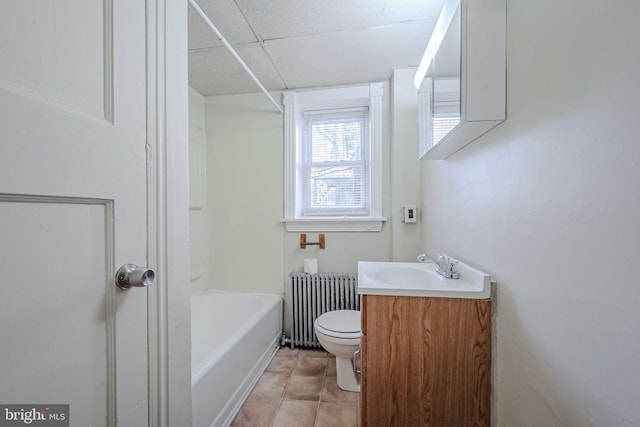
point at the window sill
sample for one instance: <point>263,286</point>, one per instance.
<point>334,224</point>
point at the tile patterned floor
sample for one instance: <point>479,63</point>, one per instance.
<point>299,389</point>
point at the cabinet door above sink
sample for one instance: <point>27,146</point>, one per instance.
<point>463,94</point>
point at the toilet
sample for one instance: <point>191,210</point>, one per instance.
<point>339,333</point>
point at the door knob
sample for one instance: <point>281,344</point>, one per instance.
<point>131,275</point>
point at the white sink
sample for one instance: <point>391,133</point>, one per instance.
<point>421,279</point>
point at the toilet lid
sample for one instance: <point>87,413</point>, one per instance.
<point>341,321</point>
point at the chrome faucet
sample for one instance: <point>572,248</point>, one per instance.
<point>445,266</point>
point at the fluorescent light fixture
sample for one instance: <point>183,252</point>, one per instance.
<point>442,25</point>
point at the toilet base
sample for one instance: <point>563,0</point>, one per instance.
<point>346,375</point>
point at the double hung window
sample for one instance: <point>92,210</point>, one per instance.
<point>335,163</point>
<point>332,159</point>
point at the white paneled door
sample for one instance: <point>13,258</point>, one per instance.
<point>73,208</point>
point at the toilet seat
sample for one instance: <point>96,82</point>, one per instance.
<point>340,324</point>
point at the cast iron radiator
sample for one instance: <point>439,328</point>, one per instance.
<point>315,294</point>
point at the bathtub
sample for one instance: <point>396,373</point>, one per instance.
<point>233,337</point>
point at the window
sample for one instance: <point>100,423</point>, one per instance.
<point>445,109</point>
<point>335,175</point>
<point>332,159</point>
<point>446,116</point>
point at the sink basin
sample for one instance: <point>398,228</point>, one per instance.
<point>421,279</point>
<point>403,275</point>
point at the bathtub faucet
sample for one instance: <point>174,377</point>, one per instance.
<point>445,266</point>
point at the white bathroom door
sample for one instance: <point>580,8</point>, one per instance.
<point>73,179</point>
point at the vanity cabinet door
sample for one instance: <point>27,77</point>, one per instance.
<point>426,361</point>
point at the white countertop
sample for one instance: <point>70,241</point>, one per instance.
<point>421,279</point>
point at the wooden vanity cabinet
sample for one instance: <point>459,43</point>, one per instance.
<point>425,362</point>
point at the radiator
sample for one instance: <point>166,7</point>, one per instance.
<point>315,294</point>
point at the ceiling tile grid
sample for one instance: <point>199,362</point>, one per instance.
<point>276,19</point>
<point>215,71</point>
<point>291,44</point>
<point>347,57</point>
<point>227,18</point>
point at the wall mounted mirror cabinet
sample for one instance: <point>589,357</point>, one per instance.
<point>461,79</point>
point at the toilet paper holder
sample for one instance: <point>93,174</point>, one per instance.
<point>304,243</point>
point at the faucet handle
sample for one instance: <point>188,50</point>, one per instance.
<point>448,266</point>
<point>445,266</point>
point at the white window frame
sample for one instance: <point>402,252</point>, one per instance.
<point>295,104</point>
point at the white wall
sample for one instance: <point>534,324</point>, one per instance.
<point>406,243</point>
<point>245,164</point>
<point>198,208</point>
<point>549,203</point>
<point>251,249</point>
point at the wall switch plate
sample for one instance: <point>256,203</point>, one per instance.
<point>409,212</point>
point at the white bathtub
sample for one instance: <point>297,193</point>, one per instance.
<point>234,336</point>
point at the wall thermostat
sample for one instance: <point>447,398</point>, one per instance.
<point>409,212</point>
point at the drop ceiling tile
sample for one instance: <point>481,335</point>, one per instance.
<point>276,19</point>
<point>349,56</point>
<point>342,42</point>
<point>216,72</point>
<point>226,17</point>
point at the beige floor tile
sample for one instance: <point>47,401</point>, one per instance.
<point>298,413</point>
<point>302,387</point>
<point>336,415</point>
<point>310,366</point>
<point>299,389</point>
<point>313,353</point>
<point>286,351</point>
<point>281,364</point>
<point>271,385</point>
<point>256,413</point>
<point>331,367</point>
<point>332,393</point>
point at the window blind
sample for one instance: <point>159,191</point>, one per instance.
<point>335,162</point>
<point>446,116</point>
